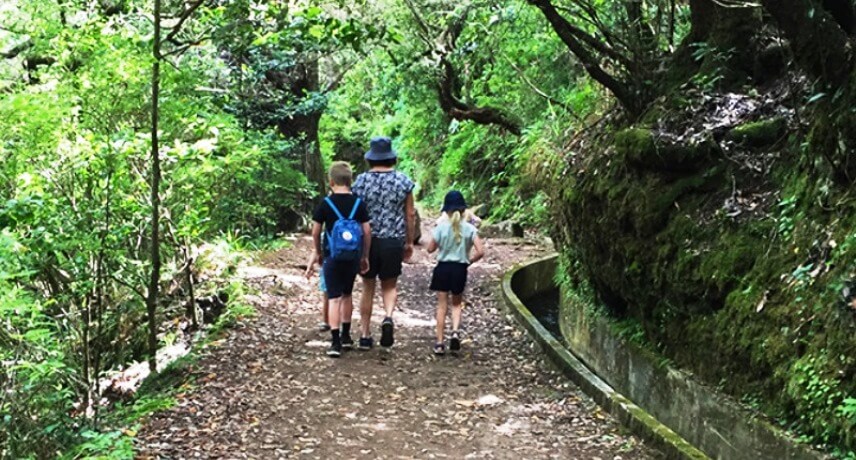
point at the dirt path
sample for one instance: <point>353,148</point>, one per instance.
<point>268,391</point>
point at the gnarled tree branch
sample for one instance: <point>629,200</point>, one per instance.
<point>448,85</point>
<point>459,110</point>
<point>566,31</point>
<point>185,15</point>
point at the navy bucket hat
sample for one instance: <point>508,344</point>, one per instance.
<point>454,201</point>
<point>381,149</point>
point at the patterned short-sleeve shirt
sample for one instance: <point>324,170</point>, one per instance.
<point>385,193</point>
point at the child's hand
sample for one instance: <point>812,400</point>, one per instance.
<point>317,259</point>
<point>364,265</point>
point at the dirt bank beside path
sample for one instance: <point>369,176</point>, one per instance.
<point>267,391</point>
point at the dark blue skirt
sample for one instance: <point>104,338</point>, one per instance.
<point>449,277</point>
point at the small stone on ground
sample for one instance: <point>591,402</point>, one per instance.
<point>268,391</point>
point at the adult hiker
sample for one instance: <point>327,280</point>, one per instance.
<point>388,194</point>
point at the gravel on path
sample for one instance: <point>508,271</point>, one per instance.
<point>267,390</point>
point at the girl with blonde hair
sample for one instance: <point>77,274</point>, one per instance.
<point>459,246</point>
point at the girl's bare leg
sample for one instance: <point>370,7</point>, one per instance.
<point>442,306</point>
<point>457,309</point>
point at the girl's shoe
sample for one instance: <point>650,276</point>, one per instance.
<point>323,327</point>
<point>347,342</point>
<point>439,349</point>
<point>455,342</point>
<point>366,343</point>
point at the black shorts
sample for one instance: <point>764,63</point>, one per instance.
<point>385,258</point>
<point>339,277</point>
<point>449,277</point>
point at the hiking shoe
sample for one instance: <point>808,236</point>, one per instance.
<point>455,342</point>
<point>335,350</point>
<point>347,342</point>
<point>386,333</point>
<point>439,349</point>
<point>366,343</point>
<point>323,327</point>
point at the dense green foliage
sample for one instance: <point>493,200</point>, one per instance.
<point>508,54</point>
<point>74,204</point>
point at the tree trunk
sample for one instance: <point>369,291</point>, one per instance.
<point>154,281</point>
<point>304,127</point>
<point>729,35</point>
<point>191,309</point>
<point>818,42</point>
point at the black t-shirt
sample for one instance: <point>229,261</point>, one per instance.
<point>344,203</point>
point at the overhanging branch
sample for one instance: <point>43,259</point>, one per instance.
<point>565,31</point>
<point>540,92</point>
<point>460,110</point>
<point>185,15</point>
<point>448,85</point>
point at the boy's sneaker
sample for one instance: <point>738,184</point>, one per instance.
<point>347,342</point>
<point>455,342</point>
<point>439,349</point>
<point>323,327</point>
<point>386,333</point>
<point>335,350</point>
<point>366,343</point>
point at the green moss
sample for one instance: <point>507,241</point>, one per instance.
<point>718,294</point>
<point>635,143</point>
<point>759,133</point>
<point>645,150</point>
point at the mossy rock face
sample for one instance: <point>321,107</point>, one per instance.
<point>649,150</point>
<point>716,294</point>
<point>759,133</point>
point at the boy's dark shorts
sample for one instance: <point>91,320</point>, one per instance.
<point>339,277</point>
<point>385,258</point>
<point>449,277</point>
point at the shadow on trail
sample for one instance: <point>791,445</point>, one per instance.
<point>268,390</point>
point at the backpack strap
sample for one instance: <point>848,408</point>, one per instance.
<point>354,209</point>
<point>335,209</point>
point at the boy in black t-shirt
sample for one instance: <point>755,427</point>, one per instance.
<point>339,276</point>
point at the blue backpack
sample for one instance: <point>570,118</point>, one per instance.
<point>345,239</point>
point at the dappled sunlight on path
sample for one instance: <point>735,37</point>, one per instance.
<point>268,390</point>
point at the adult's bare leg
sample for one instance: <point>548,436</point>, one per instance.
<point>389,289</point>
<point>366,306</point>
<point>390,296</point>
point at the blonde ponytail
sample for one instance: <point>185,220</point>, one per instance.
<point>456,218</point>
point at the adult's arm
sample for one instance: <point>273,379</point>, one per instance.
<point>478,250</point>
<point>367,247</point>
<point>410,217</point>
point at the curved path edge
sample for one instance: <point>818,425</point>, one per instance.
<point>639,421</point>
